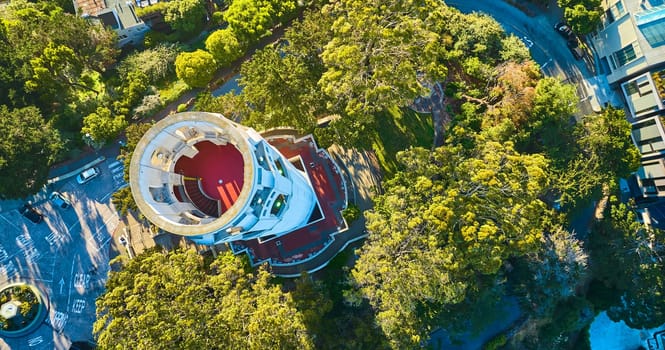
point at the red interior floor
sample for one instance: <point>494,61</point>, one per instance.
<point>214,163</point>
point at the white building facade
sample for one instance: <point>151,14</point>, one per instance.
<point>202,176</point>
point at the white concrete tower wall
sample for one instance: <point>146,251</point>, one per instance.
<point>270,198</point>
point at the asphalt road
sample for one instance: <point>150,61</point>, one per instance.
<point>547,47</point>
<point>66,257</point>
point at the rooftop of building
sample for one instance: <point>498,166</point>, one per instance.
<point>326,222</point>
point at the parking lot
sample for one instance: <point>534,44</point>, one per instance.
<point>66,256</point>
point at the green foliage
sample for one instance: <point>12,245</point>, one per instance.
<point>28,147</point>
<point>281,90</point>
<point>185,16</point>
<point>607,137</point>
<point>376,53</point>
<point>443,222</point>
<point>196,68</point>
<point>181,107</point>
<point>174,301</point>
<point>45,52</point>
<point>252,19</point>
<point>496,342</point>
<point>224,46</point>
<point>582,15</point>
<point>156,63</point>
<point>626,260</point>
<point>102,126</point>
<point>351,213</point>
<point>582,20</point>
<point>229,105</point>
<point>395,130</point>
<point>123,200</point>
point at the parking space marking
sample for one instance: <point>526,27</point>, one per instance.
<point>11,223</point>
<point>8,269</point>
<point>3,253</point>
<point>23,241</point>
<point>54,237</point>
<point>35,341</point>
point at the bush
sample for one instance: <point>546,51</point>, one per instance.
<point>496,342</point>
<point>182,107</point>
<point>148,106</point>
<point>351,213</point>
<point>157,63</point>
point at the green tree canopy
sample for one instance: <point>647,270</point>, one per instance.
<point>253,19</point>
<point>444,222</point>
<point>186,16</point>
<point>40,36</point>
<point>376,54</point>
<point>196,68</point>
<point>281,90</point>
<point>28,147</point>
<point>172,300</point>
<point>224,46</point>
<point>102,126</point>
<point>627,261</point>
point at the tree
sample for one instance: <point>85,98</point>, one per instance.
<point>582,19</point>
<point>166,300</point>
<point>281,91</point>
<point>58,66</point>
<point>377,52</point>
<point>186,16</point>
<point>444,224</point>
<point>549,127</point>
<point>102,127</point>
<point>196,68</point>
<point>252,19</point>
<point>224,46</point>
<point>627,262</point>
<point>156,63</point>
<point>551,274</point>
<point>607,137</point>
<point>28,147</point>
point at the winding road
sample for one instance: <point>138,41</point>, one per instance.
<point>547,47</point>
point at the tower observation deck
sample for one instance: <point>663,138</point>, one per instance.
<point>202,176</point>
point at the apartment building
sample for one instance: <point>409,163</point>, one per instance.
<point>630,46</point>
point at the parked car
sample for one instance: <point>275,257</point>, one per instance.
<point>87,175</point>
<point>575,49</point>
<point>31,213</point>
<point>58,199</point>
<point>564,30</point>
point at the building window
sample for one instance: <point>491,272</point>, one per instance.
<point>625,55</point>
<point>652,25</point>
<point>605,65</point>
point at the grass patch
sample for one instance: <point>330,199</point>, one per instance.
<point>172,90</point>
<point>396,130</point>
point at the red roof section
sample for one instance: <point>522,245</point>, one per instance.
<point>220,168</point>
<point>311,239</point>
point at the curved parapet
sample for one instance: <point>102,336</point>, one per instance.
<point>203,176</point>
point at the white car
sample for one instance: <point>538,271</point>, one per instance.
<point>87,175</point>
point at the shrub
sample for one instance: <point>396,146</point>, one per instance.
<point>496,342</point>
<point>351,213</point>
<point>182,107</point>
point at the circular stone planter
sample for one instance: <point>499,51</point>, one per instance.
<point>14,322</point>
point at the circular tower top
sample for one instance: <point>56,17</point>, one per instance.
<point>193,173</point>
